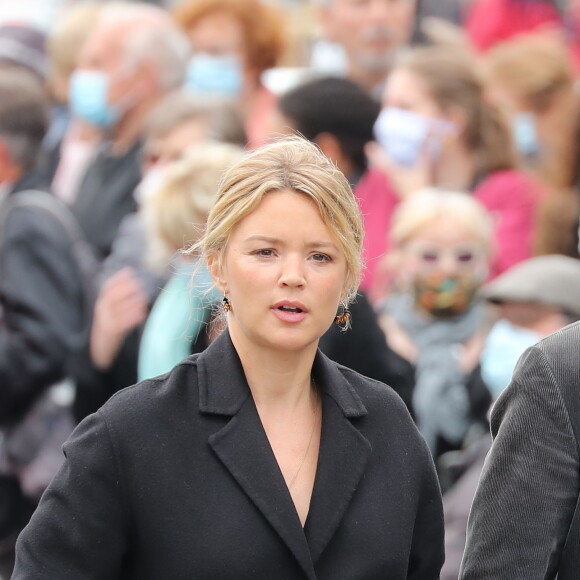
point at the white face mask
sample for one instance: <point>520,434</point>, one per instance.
<point>404,135</point>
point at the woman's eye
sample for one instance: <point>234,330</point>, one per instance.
<point>266,252</point>
<point>321,258</point>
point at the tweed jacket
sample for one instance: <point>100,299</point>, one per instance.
<point>525,519</point>
<point>174,478</point>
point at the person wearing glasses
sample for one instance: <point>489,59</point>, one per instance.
<point>441,250</point>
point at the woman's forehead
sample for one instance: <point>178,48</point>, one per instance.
<point>285,207</point>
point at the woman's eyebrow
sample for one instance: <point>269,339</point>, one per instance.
<point>261,238</point>
<point>323,245</point>
<point>317,244</point>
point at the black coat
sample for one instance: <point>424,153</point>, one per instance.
<point>106,195</point>
<point>175,478</point>
<point>41,302</point>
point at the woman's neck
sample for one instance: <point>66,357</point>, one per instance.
<point>456,169</point>
<point>277,379</point>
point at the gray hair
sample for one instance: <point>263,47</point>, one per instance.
<point>224,123</point>
<point>24,115</point>
<point>151,37</point>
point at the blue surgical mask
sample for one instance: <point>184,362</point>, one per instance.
<point>525,134</point>
<point>503,347</point>
<point>88,98</point>
<point>221,75</point>
<point>403,134</point>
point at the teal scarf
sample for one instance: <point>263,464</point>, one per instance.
<point>176,319</point>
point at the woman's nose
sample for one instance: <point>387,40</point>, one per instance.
<point>292,272</point>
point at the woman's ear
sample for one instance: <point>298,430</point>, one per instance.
<point>215,269</point>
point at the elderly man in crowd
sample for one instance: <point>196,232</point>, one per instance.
<point>370,32</point>
<point>132,58</point>
<point>42,299</point>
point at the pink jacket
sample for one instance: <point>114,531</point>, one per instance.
<point>377,201</point>
<point>511,197</point>
<point>490,22</point>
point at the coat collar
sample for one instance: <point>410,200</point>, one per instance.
<point>223,387</point>
<point>242,446</point>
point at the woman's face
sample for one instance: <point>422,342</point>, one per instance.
<point>412,127</point>
<point>443,265</point>
<point>405,90</point>
<point>284,275</point>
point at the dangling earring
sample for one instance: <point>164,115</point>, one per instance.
<point>343,318</point>
<point>226,304</point>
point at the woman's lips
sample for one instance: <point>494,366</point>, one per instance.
<point>289,312</point>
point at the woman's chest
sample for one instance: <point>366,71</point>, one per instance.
<point>198,516</point>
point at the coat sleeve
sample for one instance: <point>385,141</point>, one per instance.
<point>529,486</point>
<point>41,317</point>
<point>80,528</point>
<point>427,552</point>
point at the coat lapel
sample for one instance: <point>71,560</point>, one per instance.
<point>344,453</point>
<point>243,448</point>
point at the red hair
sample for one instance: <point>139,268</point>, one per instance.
<point>263,26</point>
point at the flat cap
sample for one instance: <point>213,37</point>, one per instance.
<point>553,280</point>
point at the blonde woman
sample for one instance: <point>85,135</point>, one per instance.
<point>259,458</point>
<point>433,323</point>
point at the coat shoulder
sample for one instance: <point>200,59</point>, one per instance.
<point>172,392</point>
<point>555,358</point>
<point>562,343</point>
<point>372,391</point>
<point>384,407</point>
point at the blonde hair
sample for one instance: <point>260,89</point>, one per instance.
<point>175,214</point>
<point>428,206</point>
<point>292,164</point>
<point>453,81</point>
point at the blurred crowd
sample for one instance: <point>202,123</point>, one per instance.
<point>457,123</point>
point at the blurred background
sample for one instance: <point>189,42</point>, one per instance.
<point>457,123</point>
